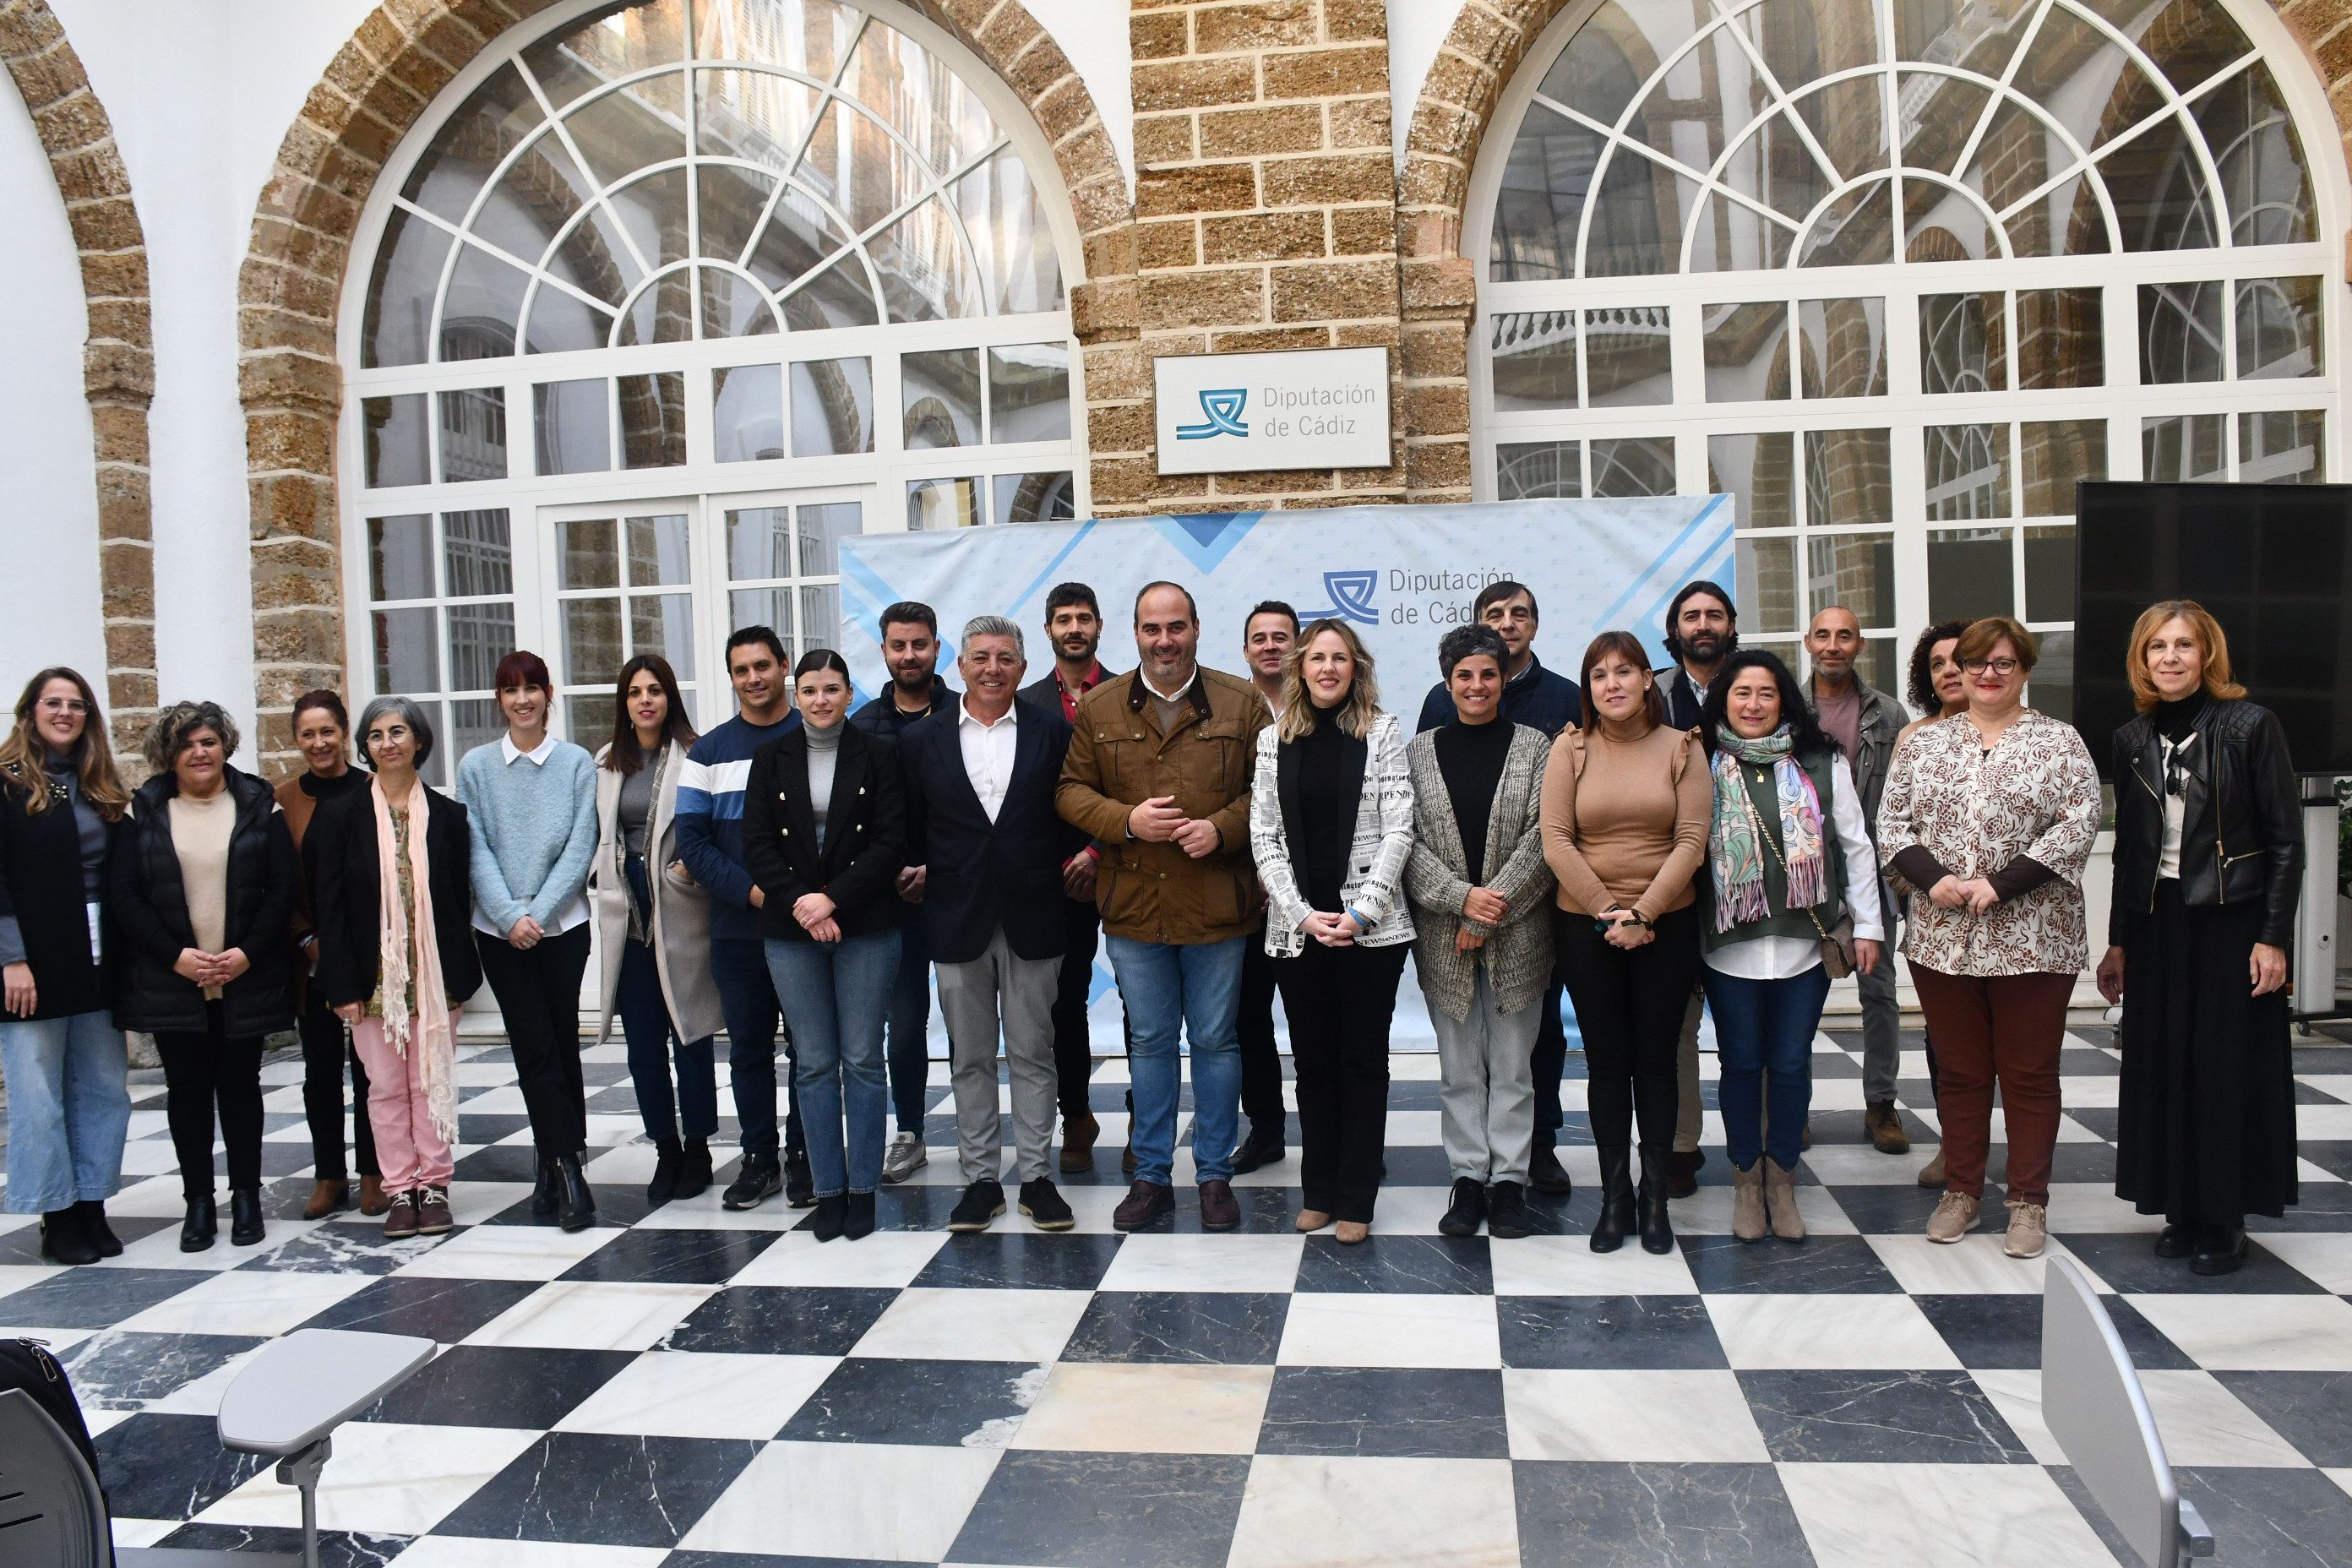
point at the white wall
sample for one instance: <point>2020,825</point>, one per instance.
<point>1093,34</point>
<point>1416,29</point>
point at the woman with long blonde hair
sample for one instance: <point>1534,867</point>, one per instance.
<point>1331,826</point>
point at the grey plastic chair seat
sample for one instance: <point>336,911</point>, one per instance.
<point>302,1387</point>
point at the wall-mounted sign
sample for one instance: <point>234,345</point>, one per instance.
<point>1295,408</point>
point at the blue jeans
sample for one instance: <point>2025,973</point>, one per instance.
<point>747,1000</point>
<point>69,1108</point>
<point>1764,1051</point>
<point>835,994</point>
<point>910,1022</point>
<point>1199,987</point>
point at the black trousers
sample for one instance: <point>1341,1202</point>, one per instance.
<point>325,1049</point>
<point>202,1070</point>
<point>1339,1001</point>
<point>538,990</point>
<point>1074,1046</point>
<point>1550,1061</point>
<point>1253,1028</point>
<point>1629,1008</point>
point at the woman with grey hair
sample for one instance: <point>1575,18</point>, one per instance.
<point>203,883</point>
<point>390,894</point>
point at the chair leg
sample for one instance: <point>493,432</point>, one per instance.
<point>301,1472</point>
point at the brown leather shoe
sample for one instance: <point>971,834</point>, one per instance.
<point>1145,1203</point>
<point>1931,1175</point>
<point>326,1197</point>
<point>1078,1141</point>
<point>1885,1126</point>
<point>1218,1209</point>
<point>1127,1160</point>
<point>371,1199</point>
<point>400,1217</point>
<point>432,1210</point>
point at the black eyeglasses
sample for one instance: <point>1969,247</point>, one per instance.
<point>1997,666</point>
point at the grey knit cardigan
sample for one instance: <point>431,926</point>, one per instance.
<point>1518,953</point>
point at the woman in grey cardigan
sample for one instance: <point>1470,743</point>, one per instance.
<point>1483,942</point>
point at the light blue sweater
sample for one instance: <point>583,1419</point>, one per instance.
<point>534,830</point>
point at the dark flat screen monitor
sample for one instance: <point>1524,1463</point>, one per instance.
<point>2273,564</point>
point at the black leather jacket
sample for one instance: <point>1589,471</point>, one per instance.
<point>2242,835</point>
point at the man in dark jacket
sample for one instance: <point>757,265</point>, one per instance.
<point>910,648</point>
<point>1702,630</point>
<point>980,778</point>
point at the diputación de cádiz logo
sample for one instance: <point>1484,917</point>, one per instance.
<point>1222,409</point>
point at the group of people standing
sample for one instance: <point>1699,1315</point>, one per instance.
<point>1729,835</point>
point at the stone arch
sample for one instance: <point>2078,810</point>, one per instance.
<point>375,91</point>
<point>118,356</point>
<point>1489,42</point>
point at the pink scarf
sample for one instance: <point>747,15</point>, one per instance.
<point>436,1063</point>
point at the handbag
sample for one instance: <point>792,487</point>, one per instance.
<point>1837,941</point>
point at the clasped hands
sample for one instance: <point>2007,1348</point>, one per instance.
<point>1486,906</point>
<point>1157,821</point>
<point>211,968</point>
<point>1974,894</point>
<point>814,913</point>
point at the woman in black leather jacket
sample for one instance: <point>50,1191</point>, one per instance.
<point>2208,864</point>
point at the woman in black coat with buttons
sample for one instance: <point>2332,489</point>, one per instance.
<point>2208,867</point>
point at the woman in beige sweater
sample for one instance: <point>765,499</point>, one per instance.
<point>1625,806</point>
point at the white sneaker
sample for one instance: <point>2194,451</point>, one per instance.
<point>904,1157</point>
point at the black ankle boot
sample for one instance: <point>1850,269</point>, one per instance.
<point>694,1169</point>
<point>244,1226</point>
<point>831,1213</point>
<point>1616,1199</point>
<point>65,1238</point>
<point>196,1232</point>
<point>2220,1249</point>
<point>857,1217</point>
<point>670,1161</point>
<point>96,1231</point>
<point>1650,1203</point>
<point>547,1193</point>
<point>579,1210</point>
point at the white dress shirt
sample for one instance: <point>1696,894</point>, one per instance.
<point>988,751</point>
<point>1786,957</point>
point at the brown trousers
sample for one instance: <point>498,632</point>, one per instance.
<point>2004,1026</point>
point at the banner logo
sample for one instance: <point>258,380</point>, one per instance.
<point>1351,598</point>
<point>1223,410</point>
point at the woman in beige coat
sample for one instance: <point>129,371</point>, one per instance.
<point>653,928</point>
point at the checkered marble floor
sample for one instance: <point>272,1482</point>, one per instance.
<point>696,1389</point>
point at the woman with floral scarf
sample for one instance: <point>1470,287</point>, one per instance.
<point>1794,895</point>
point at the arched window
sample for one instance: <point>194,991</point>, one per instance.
<point>1895,274</point>
<point>673,295</point>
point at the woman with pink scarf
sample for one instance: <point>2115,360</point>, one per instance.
<point>390,892</point>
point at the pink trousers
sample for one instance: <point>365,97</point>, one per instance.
<point>412,1153</point>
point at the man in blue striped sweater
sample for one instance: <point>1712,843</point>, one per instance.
<point>711,842</point>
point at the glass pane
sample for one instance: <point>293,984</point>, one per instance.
<point>562,323</point>
<point>473,721</point>
<point>2050,688</point>
<point>1877,664</point>
<point>1731,237</point>
<point>1938,113</point>
<point>400,557</point>
<point>2180,333</point>
<point>1747,351</point>
<point>474,435</point>
<point>1856,230</point>
<point>758,544</point>
<point>592,641</point>
<point>482,308</point>
<point>1775,166</point>
<point>659,552</point>
<point>588,721</point>
<point>2160,195</point>
<point>1035,497</point>
<point>392,429</point>
<point>1545,182</point>
<point>1845,117</point>
<point>939,395</point>
<point>926,274</point>
<point>633,129</point>
<point>1963,343</point>
<point>1538,470</point>
<point>756,116</point>
<point>616,41</point>
<point>918,98</point>
<point>1629,356</point>
<point>1940,224</point>
<point>1857,570</point>
<point>1969,574</point>
<point>2281,448</point>
<point>2054,455</point>
<point>769,607</point>
<point>661,313</point>
<point>1768,582</point>
<point>1004,213</point>
<point>2181,448</point>
<point>746,413</point>
<point>2082,78</point>
<point>664,624</point>
<point>1634,466</point>
<point>1849,477</point>
<point>732,305</point>
<point>574,426</point>
<point>479,637</point>
<point>1845,347</point>
<point>407,651</point>
<point>1535,360</point>
<point>588,552</point>
<point>2062,339</point>
<point>840,296</point>
<point>821,530</point>
<point>833,407</point>
<point>400,291</point>
<point>731,202</point>
<point>476,556</point>
<point>653,419</point>
<point>934,505</point>
<point>2254,145</point>
<point>1967,471</point>
<point>1029,393</point>
<point>807,38</point>
<point>1637,224</point>
<point>2049,574</point>
<point>1760,473</point>
<point>820,617</point>
<point>2278,327</point>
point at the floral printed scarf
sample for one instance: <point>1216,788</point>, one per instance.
<point>1734,853</point>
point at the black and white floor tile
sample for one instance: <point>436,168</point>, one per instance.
<point>691,1388</point>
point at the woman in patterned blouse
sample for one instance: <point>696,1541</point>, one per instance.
<point>1991,812</point>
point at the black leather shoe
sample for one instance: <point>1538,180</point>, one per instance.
<point>2175,1240</point>
<point>244,1226</point>
<point>1545,1174</point>
<point>2220,1249</point>
<point>830,1213</point>
<point>983,1201</point>
<point>579,1211</point>
<point>1650,1203</point>
<point>694,1169</point>
<point>96,1231</point>
<point>857,1218</point>
<point>670,1161</point>
<point>547,1193</point>
<point>799,1186</point>
<point>1682,1173</point>
<point>1616,1198</point>
<point>1467,1211</point>
<point>1043,1203</point>
<point>1263,1146</point>
<point>65,1238</point>
<point>761,1177</point>
<point>1507,1212</point>
<point>196,1232</point>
